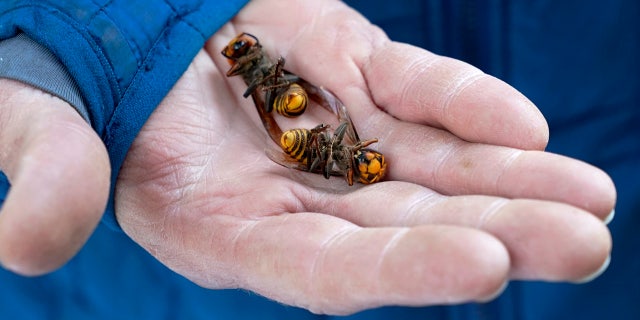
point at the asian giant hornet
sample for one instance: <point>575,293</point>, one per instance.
<point>317,150</point>
<point>248,59</point>
<point>340,154</point>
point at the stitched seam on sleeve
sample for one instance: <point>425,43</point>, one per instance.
<point>82,30</point>
<point>180,16</point>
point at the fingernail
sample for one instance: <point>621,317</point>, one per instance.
<point>496,294</point>
<point>608,219</point>
<point>598,272</point>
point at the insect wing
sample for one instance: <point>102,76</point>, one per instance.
<point>343,114</point>
<point>330,102</point>
<point>270,125</point>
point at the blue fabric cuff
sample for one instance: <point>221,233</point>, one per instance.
<point>27,61</point>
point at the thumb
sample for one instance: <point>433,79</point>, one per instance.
<point>59,173</point>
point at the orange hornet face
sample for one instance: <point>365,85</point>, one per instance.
<point>242,53</point>
<point>370,165</point>
<point>239,47</point>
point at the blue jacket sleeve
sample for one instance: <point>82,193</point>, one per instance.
<point>124,55</point>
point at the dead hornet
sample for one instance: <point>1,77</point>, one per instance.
<point>340,154</point>
<point>249,60</point>
<point>315,150</point>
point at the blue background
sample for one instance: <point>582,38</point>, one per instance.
<point>577,60</point>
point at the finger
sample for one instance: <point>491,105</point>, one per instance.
<point>328,265</point>
<point>59,174</point>
<point>417,86</point>
<point>440,161</point>
<point>545,240</point>
<point>367,70</point>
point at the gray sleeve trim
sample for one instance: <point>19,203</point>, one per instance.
<point>27,61</point>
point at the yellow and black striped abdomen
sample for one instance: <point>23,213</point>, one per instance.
<point>291,102</point>
<point>294,142</point>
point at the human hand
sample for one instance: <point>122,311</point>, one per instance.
<point>471,200</point>
<point>59,173</point>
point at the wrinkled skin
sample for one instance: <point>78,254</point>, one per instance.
<point>472,201</point>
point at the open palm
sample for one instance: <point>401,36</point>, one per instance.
<point>199,193</point>
<point>470,199</point>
